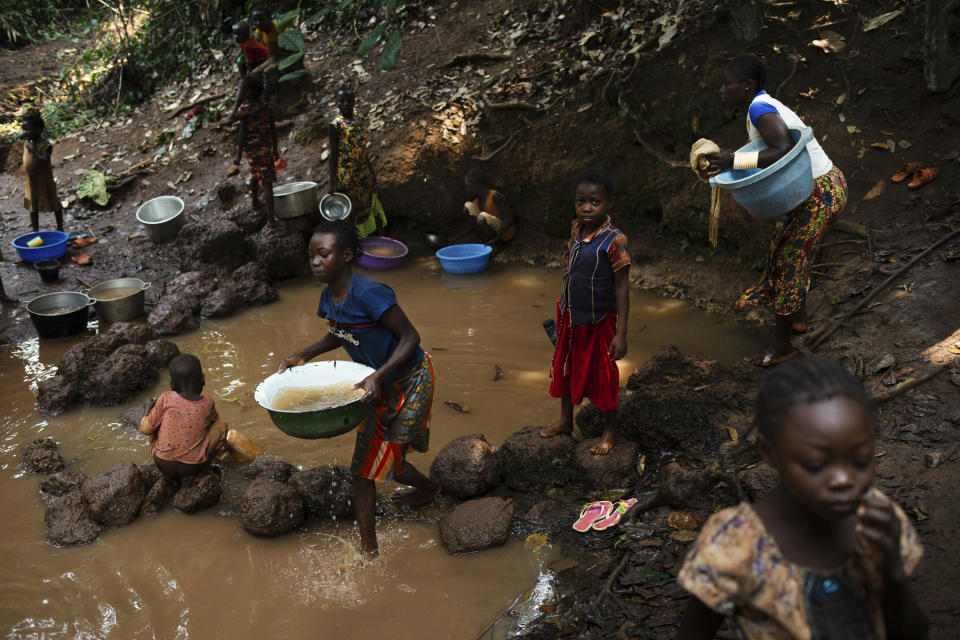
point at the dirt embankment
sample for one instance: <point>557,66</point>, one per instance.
<point>627,89</point>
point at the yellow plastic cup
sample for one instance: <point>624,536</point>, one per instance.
<point>35,242</point>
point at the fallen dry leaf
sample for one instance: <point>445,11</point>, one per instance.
<point>681,520</point>
<point>82,260</point>
<point>683,535</point>
<point>534,541</point>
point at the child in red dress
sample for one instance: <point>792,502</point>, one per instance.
<point>258,140</point>
<point>592,312</point>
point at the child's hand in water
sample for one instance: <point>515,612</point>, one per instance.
<point>370,386</point>
<point>877,523</point>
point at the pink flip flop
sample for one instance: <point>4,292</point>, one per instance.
<point>614,516</point>
<point>591,513</point>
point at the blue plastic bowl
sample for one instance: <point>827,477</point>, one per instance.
<point>464,258</point>
<point>54,245</point>
<point>774,190</point>
<point>394,251</point>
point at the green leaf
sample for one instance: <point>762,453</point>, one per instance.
<point>291,76</point>
<point>289,60</point>
<point>287,19</point>
<point>390,6</point>
<point>94,186</point>
<point>291,40</point>
<point>372,38</point>
<point>391,51</point>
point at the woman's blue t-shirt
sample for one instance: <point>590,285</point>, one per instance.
<point>358,317</point>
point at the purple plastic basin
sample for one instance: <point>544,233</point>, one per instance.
<point>393,253</point>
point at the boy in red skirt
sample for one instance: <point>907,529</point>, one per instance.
<point>592,312</point>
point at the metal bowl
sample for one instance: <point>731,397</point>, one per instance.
<point>325,423</point>
<point>162,217</point>
<point>335,206</point>
<point>294,199</point>
<point>59,314</point>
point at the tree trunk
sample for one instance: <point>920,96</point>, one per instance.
<point>942,42</point>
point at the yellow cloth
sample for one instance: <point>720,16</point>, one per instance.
<point>369,225</point>
<point>699,163</point>
<point>698,157</point>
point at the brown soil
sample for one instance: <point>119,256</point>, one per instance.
<point>873,91</point>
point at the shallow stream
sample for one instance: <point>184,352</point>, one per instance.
<point>203,576</point>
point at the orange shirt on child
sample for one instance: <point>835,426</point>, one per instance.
<point>182,427</point>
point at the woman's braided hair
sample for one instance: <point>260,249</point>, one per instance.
<point>346,234</point>
<point>802,381</point>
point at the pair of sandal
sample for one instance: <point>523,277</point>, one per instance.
<point>602,515</point>
<point>918,174</point>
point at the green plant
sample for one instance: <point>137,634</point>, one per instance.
<point>388,16</point>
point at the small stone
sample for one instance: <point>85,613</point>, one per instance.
<point>476,525</point>
<point>41,456</point>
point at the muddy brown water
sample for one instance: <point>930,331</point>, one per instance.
<point>203,576</point>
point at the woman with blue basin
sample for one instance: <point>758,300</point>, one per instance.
<point>786,280</point>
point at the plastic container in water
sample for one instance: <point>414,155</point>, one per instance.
<point>162,217</point>
<point>54,245</point>
<point>464,258</point>
<point>774,190</point>
<point>380,253</point>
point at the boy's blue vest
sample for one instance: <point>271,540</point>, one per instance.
<point>588,287</point>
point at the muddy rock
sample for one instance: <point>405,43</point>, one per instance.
<point>198,284</point>
<point>60,484</point>
<point>759,480</point>
<point>327,492</point>
<point>57,394</point>
<point>249,220</point>
<point>160,352</point>
<point>149,474</point>
<point>41,456</point>
<point>122,375</point>
<point>609,471</point>
<point>257,292</point>
<point>531,463</point>
<point>226,193</point>
<point>251,271</point>
<point>114,494</point>
<point>69,521</point>
<point>283,253</point>
<point>199,492</point>
<point>276,470</point>
<point>175,314</point>
<point>223,301</point>
<point>217,241</point>
<point>466,467</point>
<point>270,508</point>
<point>660,410</point>
<point>160,493</point>
<point>82,359</point>
<point>476,525</point>
<point>132,332</point>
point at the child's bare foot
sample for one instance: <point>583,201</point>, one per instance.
<point>273,223</point>
<point>770,357</point>
<point>414,497</point>
<point>368,552</point>
<point>559,427</point>
<point>607,441</point>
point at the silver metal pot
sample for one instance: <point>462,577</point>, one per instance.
<point>60,314</point>
<point>162,217</point>
<point>295,199</point>
<point>118,300</point>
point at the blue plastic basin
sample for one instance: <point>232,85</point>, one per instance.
<point>464,258</point>
<point>54,245</point>
<point>774,190</point>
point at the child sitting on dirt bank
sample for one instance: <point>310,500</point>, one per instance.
<point>40,190</point>
<point>183,425</point>
<point>823,555</point>
<point>491,217</point>
<point>258,140</point>
<point>592,311</point>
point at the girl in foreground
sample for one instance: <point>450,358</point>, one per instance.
<point>366,320</point>
<point>823,555</point>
